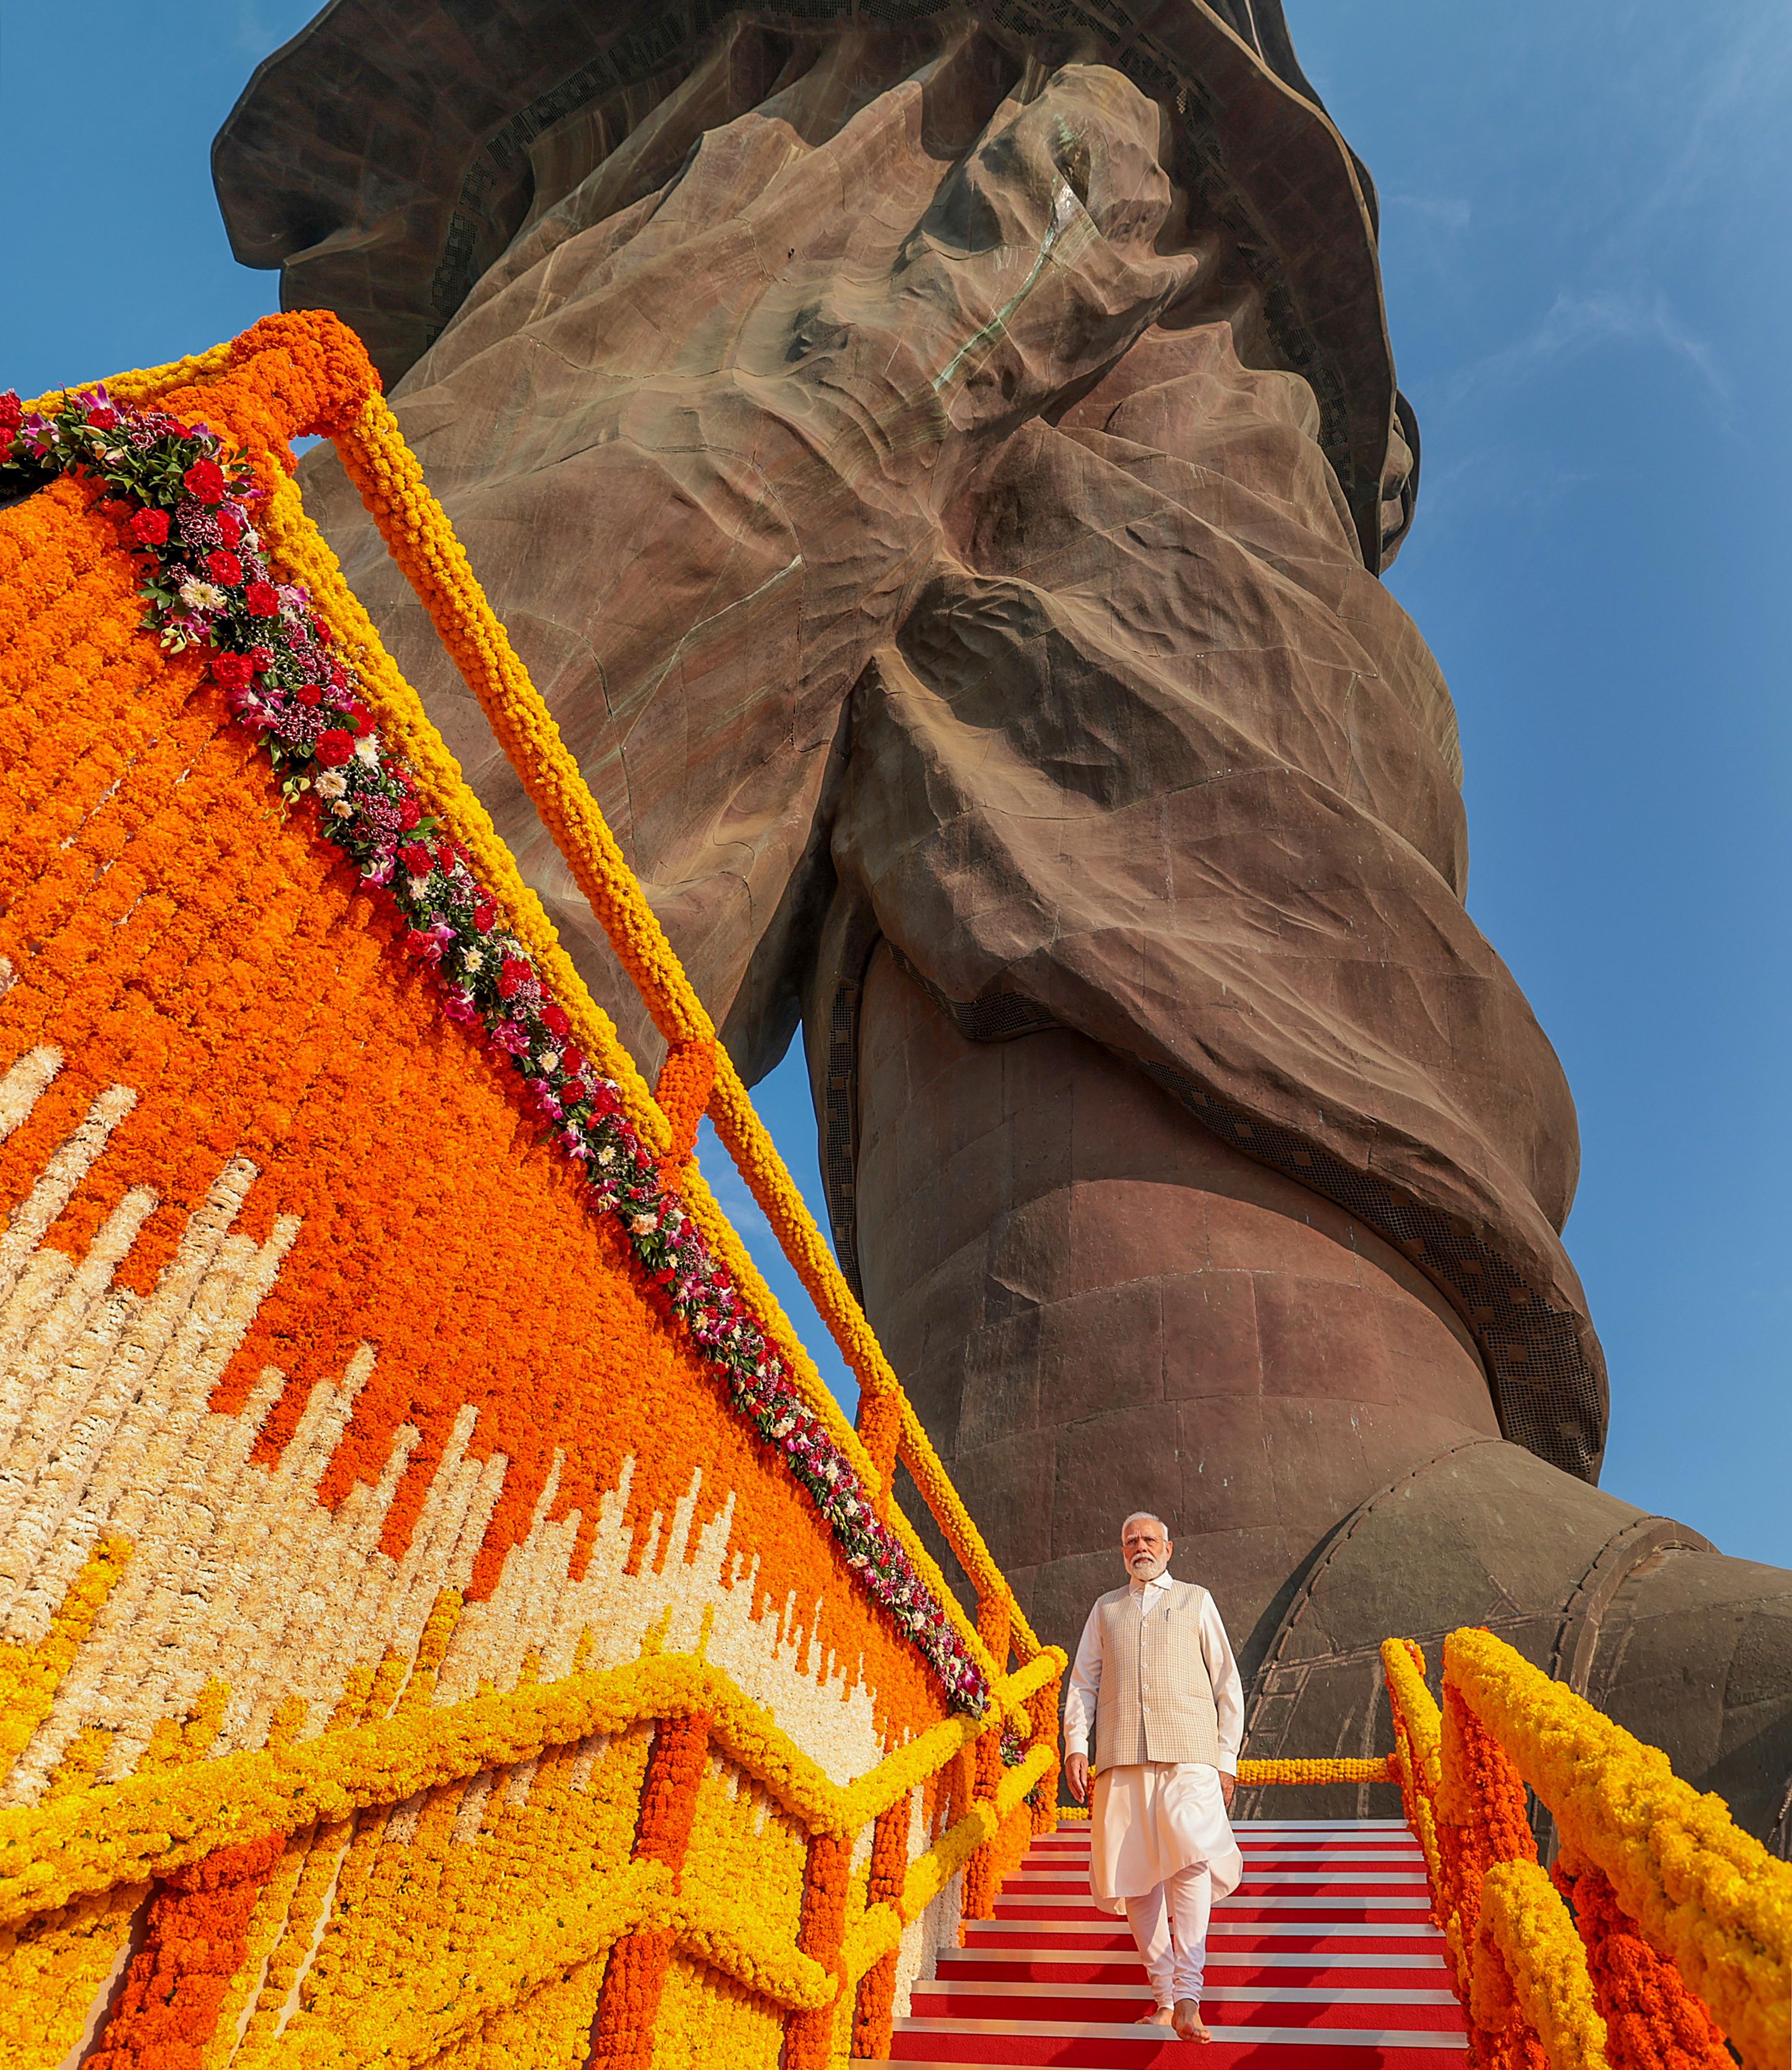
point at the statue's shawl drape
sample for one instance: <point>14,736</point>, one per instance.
<point>886,509</point>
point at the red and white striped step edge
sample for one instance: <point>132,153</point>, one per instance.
<point>1324,1958</point>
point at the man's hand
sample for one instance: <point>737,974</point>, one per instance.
<point>1228,1785</point>
<point>1076,1774</point>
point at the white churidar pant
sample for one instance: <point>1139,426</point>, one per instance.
<point>1170,1926</point>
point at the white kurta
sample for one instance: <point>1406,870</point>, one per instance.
<point>1150,1819</point>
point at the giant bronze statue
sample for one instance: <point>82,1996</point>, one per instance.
<point>939,466</point>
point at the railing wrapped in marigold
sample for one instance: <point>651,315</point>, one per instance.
<point>375,1360</point>
<point>1662,1927</point>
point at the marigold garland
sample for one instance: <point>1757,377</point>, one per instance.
<point>156,1823</point>
<point>1701,1891</point>
<point>623,2037</point>
<point>30,1675</point>
<point>417,533</point>
<point>1258,1774</point>
<point>1529,1968</point>
<point>195,1939</point>
<point>1652,2021</point>
<point>873,2023</point>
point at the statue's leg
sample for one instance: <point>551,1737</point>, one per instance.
<point>1099,1306</point>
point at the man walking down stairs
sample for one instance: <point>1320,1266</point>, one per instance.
<point>1324,1958</point>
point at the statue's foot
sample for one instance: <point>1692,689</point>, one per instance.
<point>1188,2022</point>
<point>1690,1651</point>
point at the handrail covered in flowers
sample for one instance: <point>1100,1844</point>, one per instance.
<point>231,571</point>
<point>1660,1918</point>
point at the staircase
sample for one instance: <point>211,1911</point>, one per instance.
<point>1324,1958</point>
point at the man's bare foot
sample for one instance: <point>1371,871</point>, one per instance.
<point>1185,2018</point>
<point>1158,2016</point>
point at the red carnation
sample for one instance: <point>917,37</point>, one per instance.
<point>262,597</point>
<point>150,527</point>
<point>204,479</point>
<point>103,417</point>
<point>553,1018</point>
<point>12,411</point>
<point>417,859</point>
<point>572,1060</point>
<point>309,693</point>
<point>261,659</point>
<point>230,527</point>
<point>410,812</point>
<point>485,916</point>
<point>321,633</point>
<point>232,670</point>
<point>335,747</point>
<point>224,569</point>
<point>513,976</point>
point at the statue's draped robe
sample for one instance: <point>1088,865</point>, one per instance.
<point>893,497</point>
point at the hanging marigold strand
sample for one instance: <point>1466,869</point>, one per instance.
<point>1652,2021</point>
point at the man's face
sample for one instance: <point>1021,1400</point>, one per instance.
<point>1145,1549</point>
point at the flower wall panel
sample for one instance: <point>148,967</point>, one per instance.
<point>295,1302</point>
<point>363,1364</point>
<point>323,1392</point>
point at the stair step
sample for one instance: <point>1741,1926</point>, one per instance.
<point>1244,2004</point>
<point>1138,2050</point>
<point>1095,1965</point>
<point>1026,2042</point>
<point>1109,1928</point>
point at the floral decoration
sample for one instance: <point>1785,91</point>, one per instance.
<point>190,503</point>
<point>195,1938</point>
<point>1685,1919</point>
<point>1255,1774</point>
<point>1701,1891</point>
<point>1652,2021</point>
<point>1530,1997</point>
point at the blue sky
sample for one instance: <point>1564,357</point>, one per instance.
<point>1587,211</point>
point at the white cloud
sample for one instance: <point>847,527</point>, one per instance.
<point>1447,212</point>
<point>1575,324</point>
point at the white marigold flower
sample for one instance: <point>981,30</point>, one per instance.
<point>202,596</point>
<point>332,784</point>
<point>607,1154</point>
<point>548,1059</point>
<point>366,748</point>
<point>419,886</point>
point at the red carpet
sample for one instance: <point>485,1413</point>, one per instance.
<point>1324,1958</point>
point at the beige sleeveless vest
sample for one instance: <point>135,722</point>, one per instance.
<point>1155,1701</point>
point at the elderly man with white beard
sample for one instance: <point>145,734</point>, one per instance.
<point>1154,1675</point>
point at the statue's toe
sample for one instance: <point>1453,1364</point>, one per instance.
<point>1687,1649</point>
